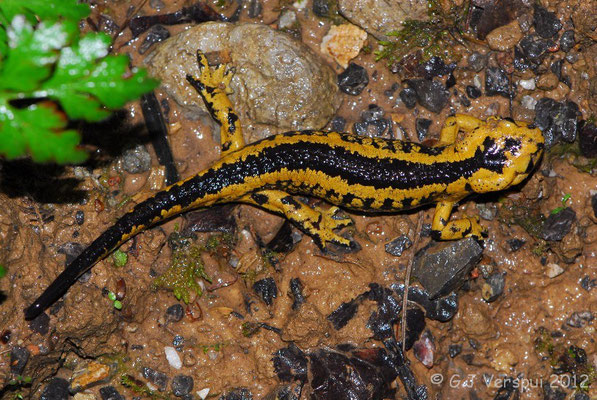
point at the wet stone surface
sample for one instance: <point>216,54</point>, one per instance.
<point>398,245</point>
<point>110,393</point>
<point>182,385</point>
<point>558,225</point>
<point>56,389</point>
<point>442,267</point>
<point>557,120</point>
<point>587,140</point>
<point>546,24</point>
<point>18,359</point>
<point>430,94</point>
<point>408,97</point>
<point>158,378</point>
<point>266,289</point>
<point>497,82</point>
<point>175,312</point>
<point>353,79</point>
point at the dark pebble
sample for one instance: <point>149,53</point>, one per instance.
<point>442,267</point>
<point>71,250</point>
<point>422,128</point>
<point>473,92</point>
<point>156,34</point>
<point>587,140</point>
<point>556,68</point>
<point>158,378</point>
<point>430,94</point>
<point>415,324</point>
<point>497,82</point>
<point>40,324</point>
<point>390,92</point>
<point>424,349</point>
<point>468,358</point>
<point>465,101</point>
<point>18,359</point>
<point>110,393</point>
<point>435,66</point>
<point>520,61</point>
<point>375,128</point>
<point>5,336</point>
<point>557,120</point>
<point>296,291</point>
<point>373,113</point>
<point>266,289</point>
<point>516,244</point>
<point>442,309</point>
<point>451,81</point>
<point>156,4</point>
<point>546,24</point>
<point>182,385</point>
<point>80,217</point>
<point>552,392</point>
<point>567,41</point>
<point>398,245</point>
<point>533,47</point>
<point>558,225</point>
<point>338,124</point>
<point>175,312</point>
<point>290,363</point>
<point>57,389</point>
<point>321,8</point>
<point>425,230</point>
<point>494,287</point>
<point>474,343</point>
<point>107,25</point>
<point>477,61</point>
<point>178,341</point>
<point>408,97</point>
<point>581,396</point>
<point>353,80</point>
<point>594,204</point>
<point>254,8</point>
<point>580,319</point>
<point>587,283</point>
<point>237,394</point>
<point>454,350</point>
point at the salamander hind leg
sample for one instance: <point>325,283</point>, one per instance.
<point>444,229</point>
<point>454,124</point>
<point>213,86</point>
<point>318,223</point>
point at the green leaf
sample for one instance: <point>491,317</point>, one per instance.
<point>37,131</point>
<point>32,52</point>
<point>44,9</point>
<point>2,271</point>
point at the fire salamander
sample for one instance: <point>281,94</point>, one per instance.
<point>349,171</point>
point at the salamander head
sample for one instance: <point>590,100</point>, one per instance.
<point>510,152</point>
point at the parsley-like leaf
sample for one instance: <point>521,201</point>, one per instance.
<point>50,60</point>
<point>44,9</point>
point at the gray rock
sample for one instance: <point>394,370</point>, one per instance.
<point>442,267</point>
<point>279,83</point>
<point>136,160</point>
<point>378,17</point>
<point>558,225</point>
<point>398,245</point>
<point>57,389</point>
<point>430,94</point>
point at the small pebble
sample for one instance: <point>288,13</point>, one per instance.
<point>80,217</point>
<point>175,312</point>
<point>553,270</point>
<point>473,92</point>
<point>353,79</point>
<point>587,141</point>
<point>528,102</point>
<point>110,393</point>
<point>424,349</point>
<point>567,41</point>
<point>454,350</point>
<point>41,324</point>
<point>321,8</point>
<point>477,61</point>
<point>408,97</point>
<point>397,246</point>
<point>158,378</point>
<point>504,37</point>
<point>516,244</point>
<point>487,211</point>
<point>182,385</point>
<point>533,47</point>
<point>548,81</point>
<point>18,359</point>
<point>343,42</point>
<point>435,66</point>
<point>296,291</point>
<point>493,287</point>
<point>558,225</point>
<point>546,24</point>
<point>173,357</point>
<point>580,319</point>
<point>557,120</point>
<point>203,393</point>
<point>372,113</point>
<point>136,160</point>
<point>528,84</point>
<point>422,128</point>
<point>57,389</point>
<point>338,124</point>
<point>587,283</point>
<point>266,289</point>
<point>287,19</point>
<point>156,34</point>
<point>497,82</point>
<point>254,8</point>
<point>430,94</point>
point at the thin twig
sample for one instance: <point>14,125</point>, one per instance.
<point>407,278</point>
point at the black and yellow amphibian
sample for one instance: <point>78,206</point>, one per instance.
<point>349,171</point>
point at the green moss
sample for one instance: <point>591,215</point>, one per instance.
<point>526,215</point>
<point>186,268</point>
<point>433,37</point>
<point>120,258</point>
<point>140,388</point>
<point>571,151</point>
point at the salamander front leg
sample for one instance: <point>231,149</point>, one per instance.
<point>213,85</point>
<point>318,223</point>
<point>444,229</point>
<point>454,124</point>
